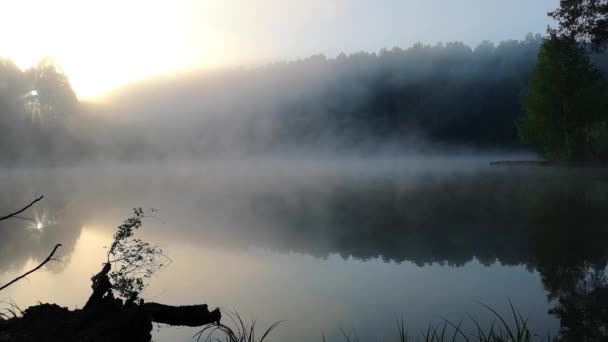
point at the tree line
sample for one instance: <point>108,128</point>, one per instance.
<point>446,94</point>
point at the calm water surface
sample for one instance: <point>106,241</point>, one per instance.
<point>354,244</point>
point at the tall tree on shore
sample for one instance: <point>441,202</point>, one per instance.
<point>565,103</point>
<point>584,20</point>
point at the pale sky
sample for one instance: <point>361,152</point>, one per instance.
<point>102,44</point>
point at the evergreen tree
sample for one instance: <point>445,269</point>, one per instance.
<point>565,103</point>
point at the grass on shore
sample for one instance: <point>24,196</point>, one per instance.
<point>499,331</point>
<point>242,332</point>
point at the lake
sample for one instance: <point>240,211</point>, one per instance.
<point>324,244</point>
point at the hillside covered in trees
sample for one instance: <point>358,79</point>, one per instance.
<point>419,98</point>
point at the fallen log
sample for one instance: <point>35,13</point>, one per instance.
<point>104,318</point>
<point>187,315</point>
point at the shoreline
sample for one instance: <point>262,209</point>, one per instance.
<point>547,163</point>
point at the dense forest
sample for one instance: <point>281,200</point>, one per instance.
<point>419,98</point>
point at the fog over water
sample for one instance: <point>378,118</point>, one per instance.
<point>326,164</point>
<point>333,193</point>
<point>324,243</point>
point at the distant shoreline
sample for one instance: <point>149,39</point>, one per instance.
<point>522,163</point>
<point>545,163</point>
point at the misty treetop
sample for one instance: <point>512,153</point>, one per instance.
<point>36,106</point>
<point>446,94</point>
<point>583,20</point>
<point>441,94</point>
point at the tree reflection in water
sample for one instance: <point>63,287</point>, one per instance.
<point>551,220</point>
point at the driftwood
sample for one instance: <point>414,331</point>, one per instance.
<point>187,315</point>
<point>103,318</point>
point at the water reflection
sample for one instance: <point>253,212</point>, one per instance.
<point>551,221</point>
<point>32,238</point>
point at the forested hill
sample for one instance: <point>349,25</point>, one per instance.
<point>444,93</point>
<point>425,95</point>
<point>447,94</point>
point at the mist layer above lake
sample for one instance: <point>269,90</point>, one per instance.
<point>324,244</point>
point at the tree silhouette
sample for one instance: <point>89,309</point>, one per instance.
<point>584,20</point>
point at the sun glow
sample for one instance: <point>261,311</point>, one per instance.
<point>40,221</point>
<point>103,44</point>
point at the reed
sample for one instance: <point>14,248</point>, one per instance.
<point>499,330</point>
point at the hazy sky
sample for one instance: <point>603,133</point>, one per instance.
<point>104,43</point>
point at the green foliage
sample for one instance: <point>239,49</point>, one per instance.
<point>585,20</point>
<point>565,104</point>
<point>135,261</point>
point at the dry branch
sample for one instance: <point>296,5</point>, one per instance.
<point>21,210</point>
<point>49,258</point>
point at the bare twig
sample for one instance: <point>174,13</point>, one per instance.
<point>24,218</point>
<point>49,258</point>
<point>21,210</point>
